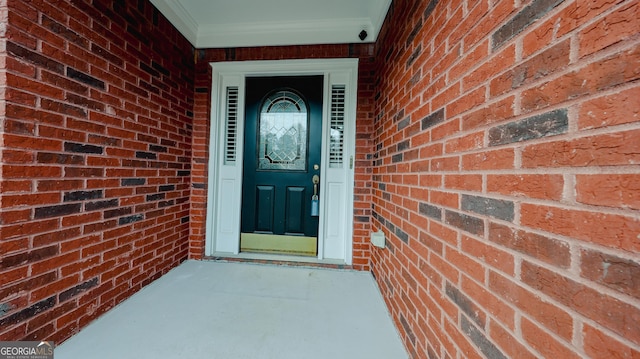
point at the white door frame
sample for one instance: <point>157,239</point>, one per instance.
<point>335,232</point>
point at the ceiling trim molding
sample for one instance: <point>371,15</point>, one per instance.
<point>179,17</point>
<point>275,33</point>
<point>284,33</point>
<point>378,16</point>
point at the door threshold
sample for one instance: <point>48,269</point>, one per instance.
<point>279,244</point>
<point>278,259</point>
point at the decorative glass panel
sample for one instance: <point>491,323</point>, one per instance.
<point>283,133</point>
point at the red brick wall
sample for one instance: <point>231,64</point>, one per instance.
<point>364,122</point>
<point>95,160</point>
<point>507,144</point>
<point>501,136</point>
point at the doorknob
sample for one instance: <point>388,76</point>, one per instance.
<point>315,179</point>
<point>315,203</point>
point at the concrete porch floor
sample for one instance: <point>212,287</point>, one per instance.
<point>239,310</point>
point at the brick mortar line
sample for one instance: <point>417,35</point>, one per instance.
<point>577,170</point>
<point>582,318</point>
<point>569,191</point>
<point>575,314</point>
<point>625,45</point>
<point>456,327</point>
<point>577,339</point>
<point>521,314</point>
<point>577,102</point>
<point>575,264</point>
<point>629,213</point>
<point>573,34</point>
<point>580,134</point>
<point>570,206</point>
<point>519,60</point>
<point>517,42</point>
<point>572,242</point>
<point>531,28</point>
<point>570,103</point>
<point>89,95</point>
<point>521,115</point>
<point>90,121</point>
<point>614,252</point>
<point>570,272</point>
<point>521,339</point>
<point>612,8</point>
<point>603,54</point>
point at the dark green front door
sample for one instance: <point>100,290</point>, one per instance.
<point>283,138</point>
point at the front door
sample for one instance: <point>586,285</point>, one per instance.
<point>283,140</point>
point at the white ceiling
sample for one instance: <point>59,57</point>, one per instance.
<point>242,23</point>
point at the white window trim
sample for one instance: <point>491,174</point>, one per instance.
<point>335,237</point>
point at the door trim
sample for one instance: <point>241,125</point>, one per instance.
<point>335,234</point>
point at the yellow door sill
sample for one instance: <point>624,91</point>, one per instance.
<point>270,243</point>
